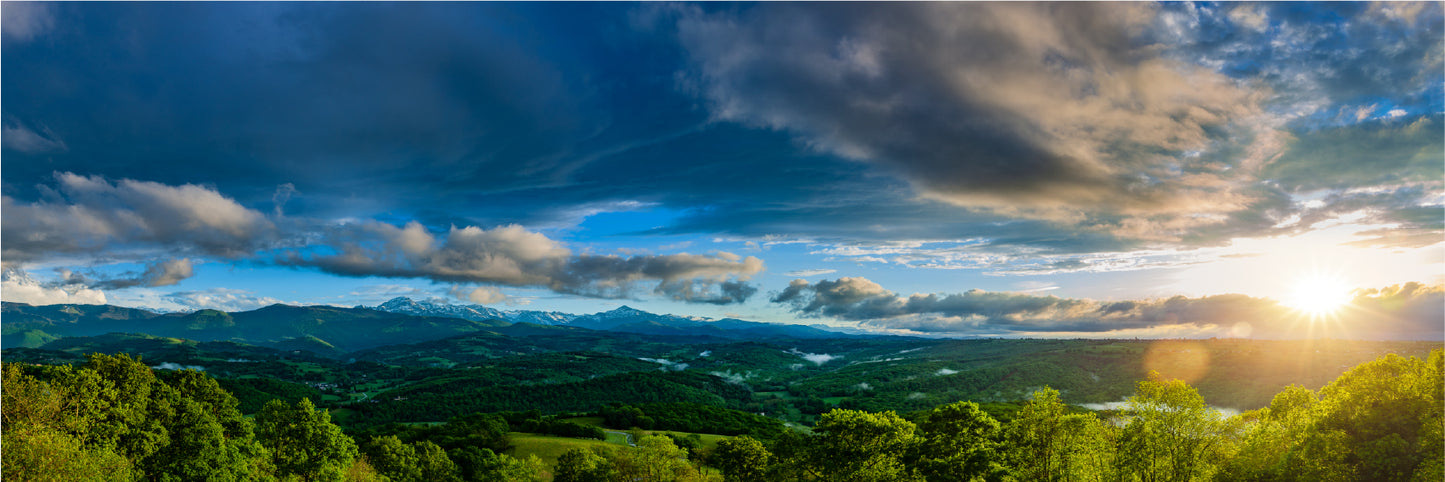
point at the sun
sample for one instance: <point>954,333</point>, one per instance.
<point>1319,295</point>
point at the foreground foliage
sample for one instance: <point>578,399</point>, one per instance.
<point>1381,420</point>
<point>114,418</point>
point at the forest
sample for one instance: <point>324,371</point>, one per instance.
<point>115,418</point>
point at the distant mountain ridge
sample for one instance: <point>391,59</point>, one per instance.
<point>624,318</point>
<point>402,304</point>
<point>334,330</point>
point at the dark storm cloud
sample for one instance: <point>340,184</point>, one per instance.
<point>707,291</point>
<point>513,256</point>
<point>1045,110</point>
<point>1405,311</point>
<point>354,101</point>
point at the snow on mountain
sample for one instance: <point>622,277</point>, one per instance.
<point>408,306</point>
<point>624,318</point>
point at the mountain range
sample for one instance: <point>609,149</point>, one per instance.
<point>625,319</point>
<point>332,331</point>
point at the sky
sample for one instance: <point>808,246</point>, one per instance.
<point>1265,170</point>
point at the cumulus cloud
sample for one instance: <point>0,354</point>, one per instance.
<point>482,295</point>
<point>1405,311</point>
<point>1411,310</point>
<point>1042,110</point>
<point>158,273</point>
<point>706,291</point>
<point>514,256</point>
<point>89,214</point>
<point>223,299</point>
<point>18,287</point>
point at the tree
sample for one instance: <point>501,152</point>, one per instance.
<point>655,459</point>
<point>1270,448</point>
<point>44,424</point>
<point>1382,420</point>
<point>302,441</point>
<point>480,464</point>
<point>125,420</point>
<point>434,464</point>
<point>1045,442</point>
<point>1173,435</point>
<point>851,445</point>
<point>208,436</point>
<point>577,465</point>
<point>959,442</point>
<point>393,458</point>
<point>1037,435</point>
<point>743,459</point>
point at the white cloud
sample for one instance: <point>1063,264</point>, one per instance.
<point>177,366</point>
<point>816,358</point>
<point>223,299</point>
<point>23,139</point>
<point>1249,15</point>
<point>733,378</point>
<point>18,287</point>
<point>90,215</point>
<point>945,371</point>
<point>667,364</point>
<point>804,273</point>
<point>482,295</point>
<point>515,256</point>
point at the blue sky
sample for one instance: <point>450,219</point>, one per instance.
<point>970,169</point>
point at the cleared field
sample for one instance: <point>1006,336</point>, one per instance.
<point>548,448</point>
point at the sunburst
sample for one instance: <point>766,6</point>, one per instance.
<point>1319,295</point>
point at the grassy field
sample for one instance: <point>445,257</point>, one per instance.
<point>548,448</point>
<point>709,441</point>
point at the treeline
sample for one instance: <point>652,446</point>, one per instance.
<point>690,417</point>
<point>253,393</point>
<point>585,396</point>
<point>115,419</point>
